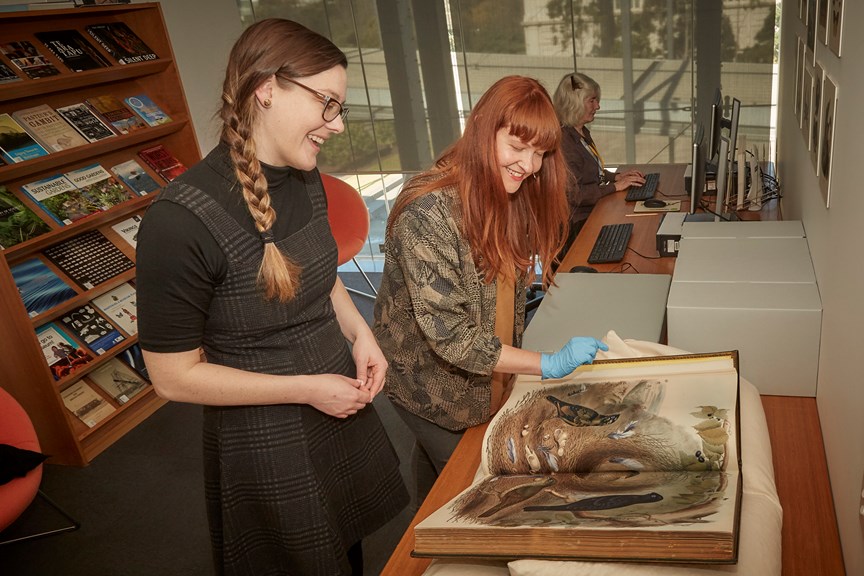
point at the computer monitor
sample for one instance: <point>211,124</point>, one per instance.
<point>714,129</point>
<point>697,178</point>
<point>734,147</point>
<point>697,170</point>
<point>733,128</point>
<point>724,180</point>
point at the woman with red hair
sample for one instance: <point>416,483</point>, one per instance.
<point>462,242</point>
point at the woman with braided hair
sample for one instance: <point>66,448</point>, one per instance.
<point>241,311</point>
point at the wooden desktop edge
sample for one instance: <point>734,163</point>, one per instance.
<point>800,467</point>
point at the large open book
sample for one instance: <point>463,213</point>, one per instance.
<point>634,459</point>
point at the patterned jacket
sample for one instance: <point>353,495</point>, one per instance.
<point>435,318</point>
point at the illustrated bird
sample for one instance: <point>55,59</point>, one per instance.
<point>577,415</point>
<point>517,494</point>
<point>625,433</point>
<point>599,503</point>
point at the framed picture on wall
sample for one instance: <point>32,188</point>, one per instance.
<point>835,26</point>
<point>799,72</point>
<point>826,141</point>
<point>811,26</point>
<point>806,99</point>
<point>815,115</point>
<point>806,71</point>
<point>822,22</point>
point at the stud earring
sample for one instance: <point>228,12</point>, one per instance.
<point>266,103</point>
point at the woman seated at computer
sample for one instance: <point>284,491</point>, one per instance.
<point>576,101</point>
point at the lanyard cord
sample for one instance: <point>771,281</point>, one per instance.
<point>596,154</point>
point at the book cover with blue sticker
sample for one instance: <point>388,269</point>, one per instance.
<point>16,144</point>
<point>92,328</point>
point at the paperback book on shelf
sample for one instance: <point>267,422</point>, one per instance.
<point>7,74</point>
<point>17,222</point>
<point>48,128</point>
<point>162,161</point>
<point>16,144</point>
<point>39,287</point>
<point>115,113</point>
<point>135,177</point>
<point>128,229</point>
<point>86,403</point>
<point>29,60</point>
<point>61,199</point>
<point>92,328</point>
<point>100,185</point>
<point>72,49</point>
<point>627,460</point>
<point>89,258</point>
<point>117,380</point>
<point>148,110</point>
<point>121,42</point>
<point>86,122</point>
<point>63,355</point>
<point>121,306</point>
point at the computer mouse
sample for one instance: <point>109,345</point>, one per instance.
<point>654,203</point>
<point>582,269</point>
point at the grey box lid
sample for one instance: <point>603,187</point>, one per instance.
<point>586,304</point>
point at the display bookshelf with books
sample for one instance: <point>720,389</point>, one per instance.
<point>51,271</point>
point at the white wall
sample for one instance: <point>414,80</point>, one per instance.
<point>202,33</point>
<point>836,236</point>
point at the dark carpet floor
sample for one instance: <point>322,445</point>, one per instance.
<point>140,503</point>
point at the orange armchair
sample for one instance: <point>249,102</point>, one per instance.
<point>349,222</point>
<point>16,429</point>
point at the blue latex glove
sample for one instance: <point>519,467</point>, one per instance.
<point>579,350</point>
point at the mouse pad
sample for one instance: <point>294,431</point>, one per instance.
<point>671,206</point>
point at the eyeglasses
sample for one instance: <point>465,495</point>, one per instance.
<point>575,84</point>
<point>332,107</point>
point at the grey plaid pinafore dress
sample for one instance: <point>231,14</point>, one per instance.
<point>288,488</point>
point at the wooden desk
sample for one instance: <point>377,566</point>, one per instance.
<point>811,541</point>
<point>613,209</point>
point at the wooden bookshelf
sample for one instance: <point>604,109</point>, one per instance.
<point>24,372</point>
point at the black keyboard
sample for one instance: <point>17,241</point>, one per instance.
<point>645,191</point>
<point>611,243</point>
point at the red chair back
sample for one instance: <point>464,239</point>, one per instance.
<point>17,430</point>
<point>348,216</point>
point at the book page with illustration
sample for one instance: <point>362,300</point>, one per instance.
<point>624,459</point>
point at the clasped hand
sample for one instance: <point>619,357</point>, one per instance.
<point>579,350</point>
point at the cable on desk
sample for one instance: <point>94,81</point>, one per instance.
<point>624,267</point>
<point>643,256</point>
